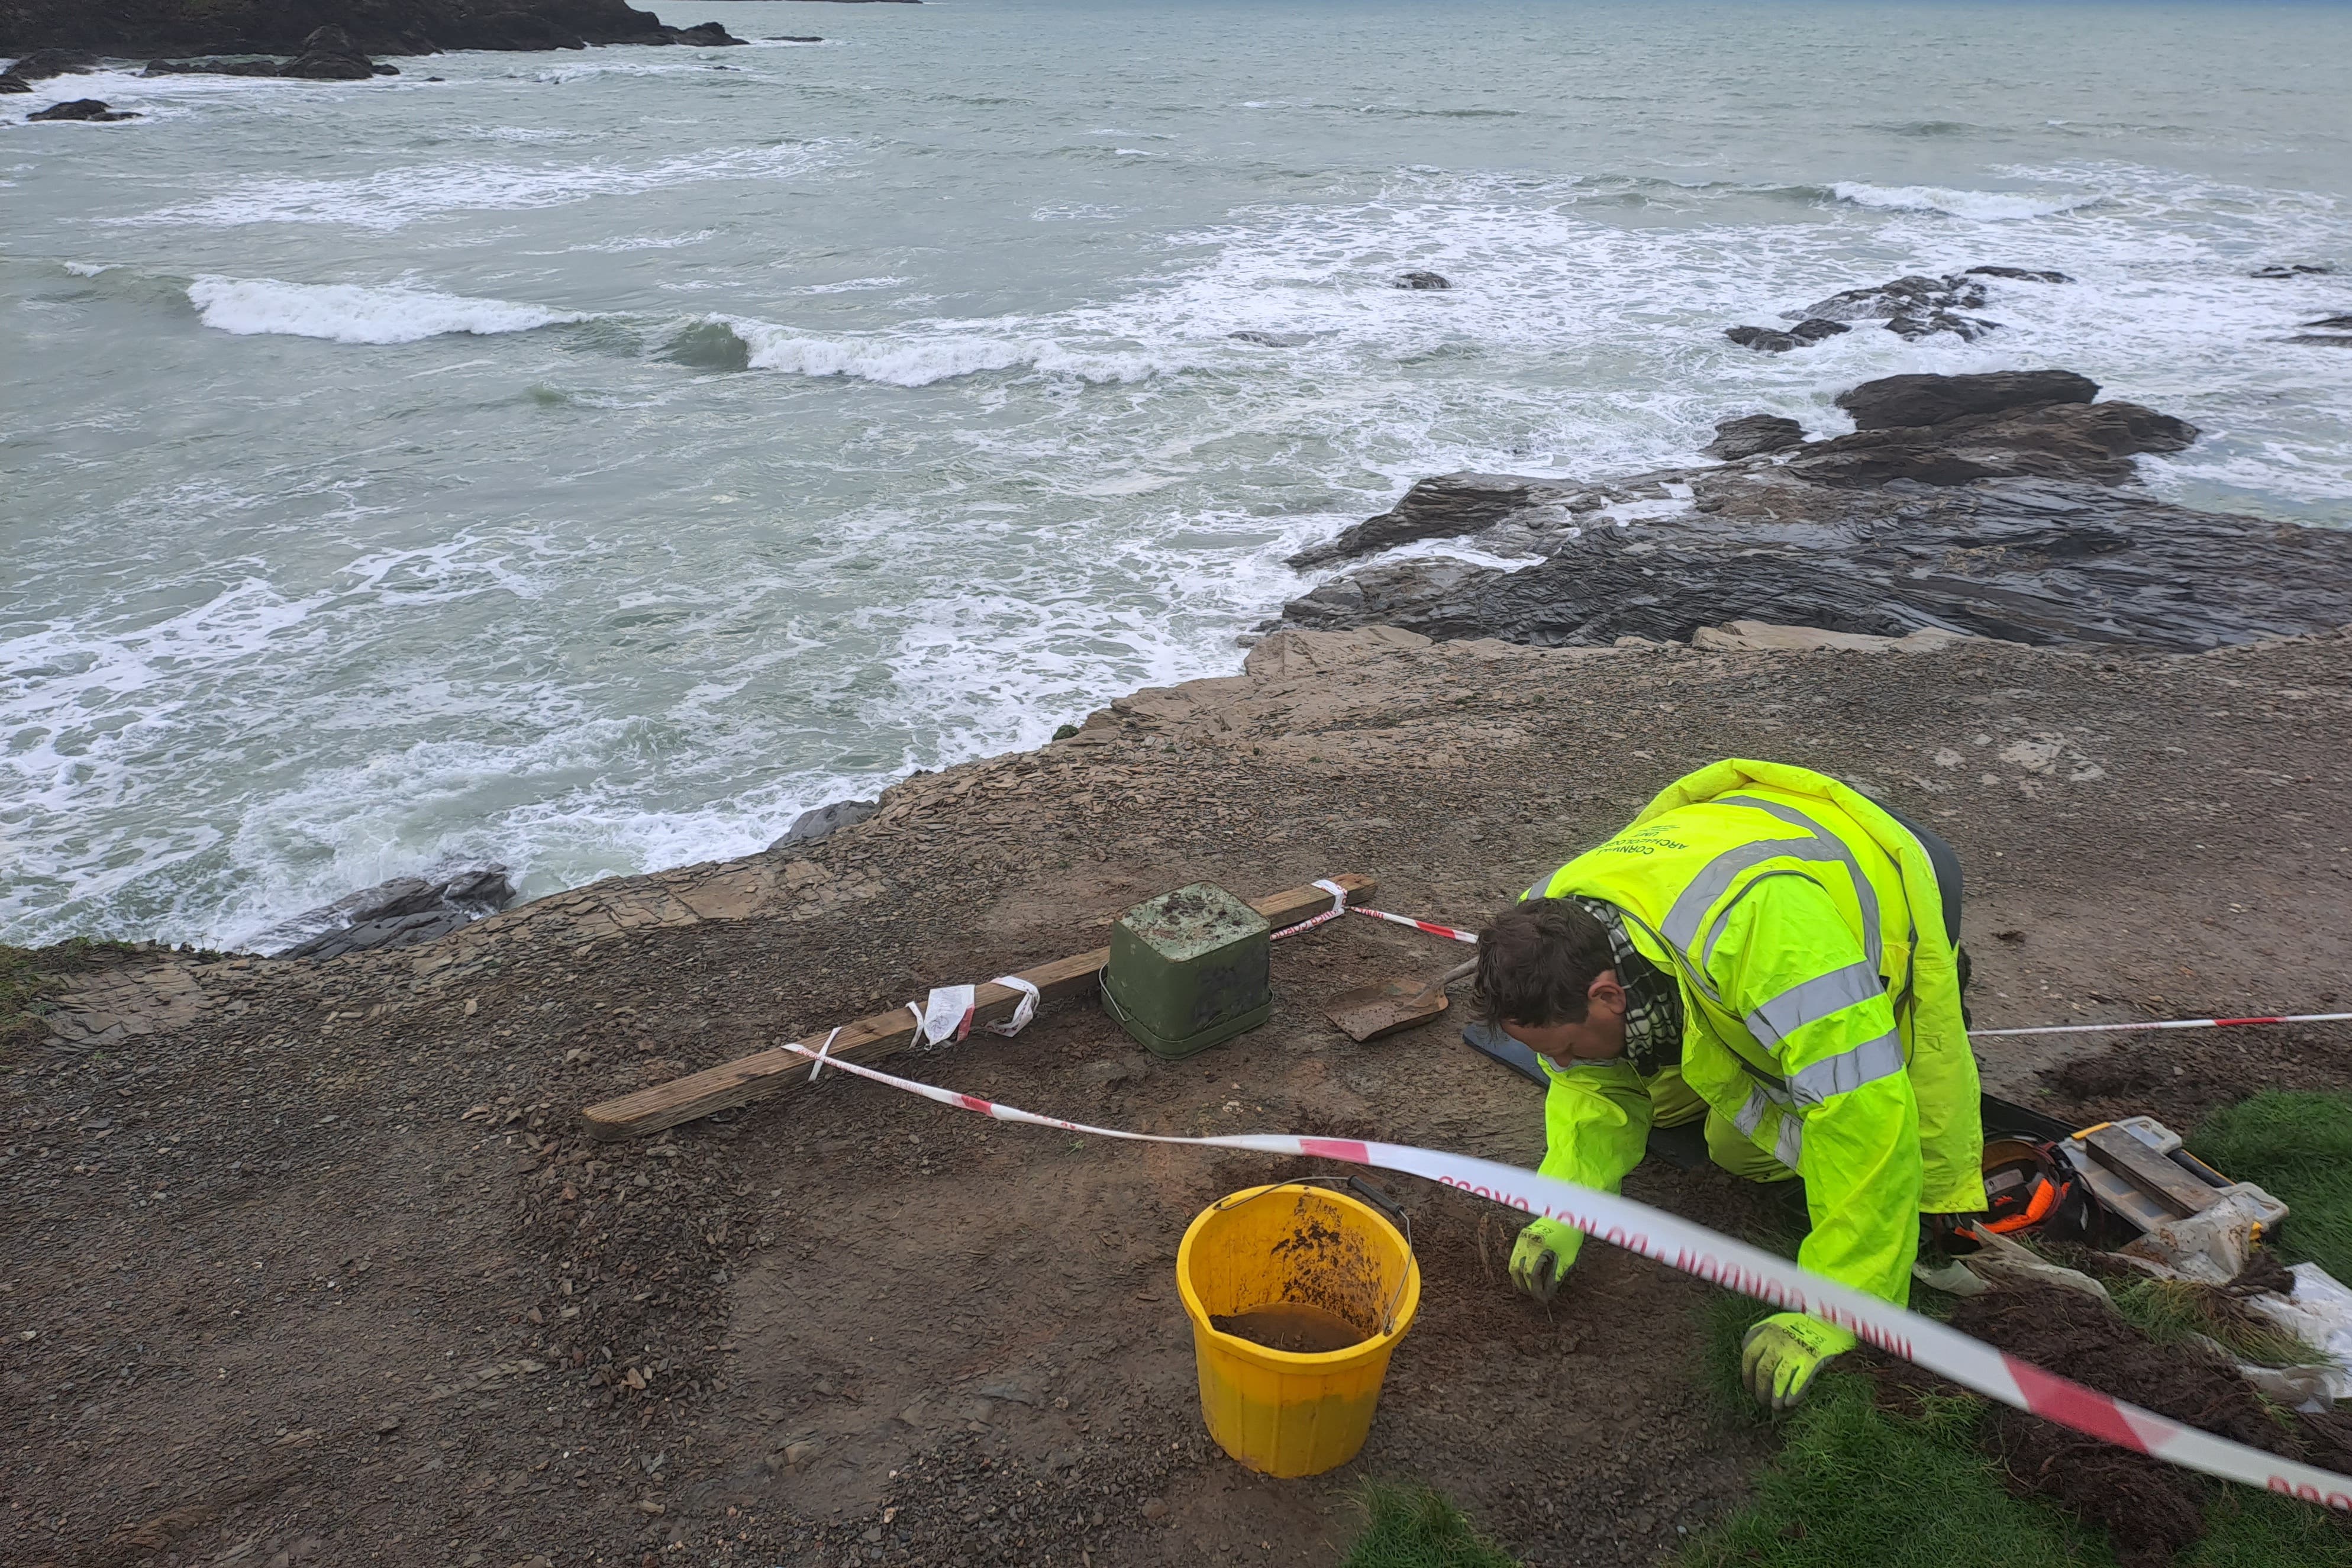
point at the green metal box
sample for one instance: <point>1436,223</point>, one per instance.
<point>1189,968</point>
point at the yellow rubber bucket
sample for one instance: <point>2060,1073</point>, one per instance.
<point>1294,1413</point>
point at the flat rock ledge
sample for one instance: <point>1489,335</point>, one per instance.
<point>2004,505</point>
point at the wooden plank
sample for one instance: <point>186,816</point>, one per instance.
<point>2155,1174</point>
<point>768,1073</point>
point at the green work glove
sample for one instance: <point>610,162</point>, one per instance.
<point>1539,1262</point>
<point>1781,1357</point>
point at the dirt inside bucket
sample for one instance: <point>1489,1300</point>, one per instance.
<point>1292,1326</point>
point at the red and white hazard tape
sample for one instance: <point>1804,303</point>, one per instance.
<point>2166,1024</point>
<point>1340,906</point>
<point>1700,1252</point>
<point>1450,933</point>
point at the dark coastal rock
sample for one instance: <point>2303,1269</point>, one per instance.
<point>175,29</point>
<point>825,822</point>
<point>12,83</point>
<point>792,38</point>
<point>2005,510</point>
<point>1753,434</point>
<point>2293,269</point>
<point>2092,442</point>
<point>398,913</point>
<point>1771,340</point>
<point>1441,508</point>
<point>1912,306</point>
<point>87,108</point>
<point>2025,560</point>
<point>1899,400</point>
<point>2322,340</point>
<point>2339,322</point>
<point>1763,340</point>
<point>1967,329</point>
<point>1423,281</point>
<point>43,64</point>
<point>1903,297</point>
<point>329,54</point>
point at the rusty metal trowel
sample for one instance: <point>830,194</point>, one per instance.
<point>1370,1012</point>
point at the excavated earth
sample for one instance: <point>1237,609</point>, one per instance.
<point>307,1260</point>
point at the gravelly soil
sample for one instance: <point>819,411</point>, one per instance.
<point>307,1262</point>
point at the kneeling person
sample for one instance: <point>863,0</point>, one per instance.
<point>1766,949</point>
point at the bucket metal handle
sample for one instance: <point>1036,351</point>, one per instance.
<point>1358,1187</point>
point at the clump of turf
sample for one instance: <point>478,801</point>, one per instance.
<point>1415,1527</point>
<point>2175,1312</point>
<point>2297,1147</point>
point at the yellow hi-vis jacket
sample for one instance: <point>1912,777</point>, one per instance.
<point>1822,1008</point>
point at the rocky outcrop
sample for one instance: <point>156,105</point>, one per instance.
<point>1911,307</point>
<point>1772,340</point>
<point>399,913</point>
<point>1753,436</point>
<point>1423,281</point>
<point>328,54</point>
<point>85,109</point>
<point>142,29</point>
<point>1437,509</point>
<point>1895,400</point>
<point>811,826</point>
<point>43,64</point>
<point>2009,513</point>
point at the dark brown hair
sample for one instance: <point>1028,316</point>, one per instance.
<point>1536,960</point>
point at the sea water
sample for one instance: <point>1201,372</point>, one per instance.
<point>590,460</point>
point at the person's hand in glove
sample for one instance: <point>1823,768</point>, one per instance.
<point>1540,1260</point>
<point>1780,1356</point>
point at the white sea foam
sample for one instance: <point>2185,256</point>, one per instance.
<point>346,313</point>
<point>393,198</point>
<point>925,353</point>
<point>1982,207</point>
<point>89,269</point>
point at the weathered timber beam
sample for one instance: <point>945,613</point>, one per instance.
<point>765,1073</point>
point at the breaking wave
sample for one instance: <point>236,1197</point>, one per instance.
<point>1983,207</point>
<point>346,313</point>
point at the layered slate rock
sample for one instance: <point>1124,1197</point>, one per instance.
<point>2012,511</point>
<point>399,913</point>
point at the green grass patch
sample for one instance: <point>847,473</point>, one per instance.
<point>1857,1487</point>
<point>2298,1148</point>
<point>1413,1527</point>
<point>2247,1529</point>
<point>1856,1484</point>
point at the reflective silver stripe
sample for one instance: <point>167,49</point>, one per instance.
<point>1751,1115</point>
<point>1715,877</point>
<point>1723,915</point>
<point>1789,1142</point>
<point>1823,996</point>
<point>1866,1063</point>
<point>1865,894</point>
